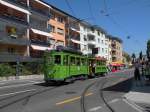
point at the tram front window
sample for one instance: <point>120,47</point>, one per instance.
<point>57,59</point>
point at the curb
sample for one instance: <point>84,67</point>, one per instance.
<point>134,105</point>
<point>41,76</point>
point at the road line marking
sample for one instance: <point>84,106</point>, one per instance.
<point>113,101</point>
<point>72,99</point>
<point>99,107</point>
<point>95,108</point>
<point>17,92</point>
<point>19,85</point>
<point>136,107</point>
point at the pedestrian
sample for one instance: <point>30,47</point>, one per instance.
<point>137,74</point>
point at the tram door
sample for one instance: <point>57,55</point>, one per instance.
<point>66,64</point>
<point>91,67</point>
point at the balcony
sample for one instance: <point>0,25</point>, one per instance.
<point>9,57</point>
<point>14,19</point>
<point>39,12</point>
<point>20,3</point>
<point>40,43</point>
<point>38,26</point>
<point>91,42</point>
<point>13,39</point>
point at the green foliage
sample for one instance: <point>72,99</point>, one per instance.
<point>133,56</point>
<point>148,49</point>
<point>141,55</point>
<point>34,67</point>
<point>7,70</point>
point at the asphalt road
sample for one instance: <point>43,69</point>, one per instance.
<point>103,94</point>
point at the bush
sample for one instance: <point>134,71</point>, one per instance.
<point>34,67</point>
<point>7,70</point>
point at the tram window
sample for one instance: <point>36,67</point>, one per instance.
<point>83,62</point>
<point>65,60</point>
<point>57,59</point>
<point>78,61</point>
<point>72,61</point>
<point>98,63</point>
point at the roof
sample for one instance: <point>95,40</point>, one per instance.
<point>53,7</point>
<point>114,38</point>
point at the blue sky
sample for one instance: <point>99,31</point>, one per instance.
<point>126,18</point>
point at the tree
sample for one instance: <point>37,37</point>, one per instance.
<point>148,50</point>
<point>133,58</point>
<point>141,55</point>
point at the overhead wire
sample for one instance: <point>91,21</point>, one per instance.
<point>91,12</point>
<point>71,9</point>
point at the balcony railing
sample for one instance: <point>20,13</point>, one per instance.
<point>41,12</point>
<point>14,19</point>
<point>13,40</point>
<point>38,42</point>
<point>19,3</point>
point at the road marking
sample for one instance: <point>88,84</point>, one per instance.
<point>136,107</point>
<point>20,85</point>
<point>95,108</point>
<point>72,99</point>
<point>113,101</point>
<point>99,107</point>
<point>17,92</point>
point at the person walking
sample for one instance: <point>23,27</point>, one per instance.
<point>137,76</point>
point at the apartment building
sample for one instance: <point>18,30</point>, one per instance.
<point>94,37</point>
<point>23,29</point>
<point>116,49</point>
<point>29,27</point>
<point>38,28</point>
<point>13,31</point>
<point>57,26</point>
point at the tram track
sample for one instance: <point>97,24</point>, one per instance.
<point>100,83</point>
<point>24,98</point>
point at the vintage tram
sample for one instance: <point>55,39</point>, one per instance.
<point>65,64</point>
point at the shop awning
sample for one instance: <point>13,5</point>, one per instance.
<point>117,64</point>
<point>41,33</point>
<point>14,7</point>
<point>78,42</point>
<point>41,48</point>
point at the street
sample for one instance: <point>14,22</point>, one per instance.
<point>92,95</point>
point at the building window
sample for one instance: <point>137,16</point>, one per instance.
<point>102,49</point>
<point>98,33</point>
<point>52,15</point>
<point>92,29</point>
<point>51,28</point>
<point>85,39</point>
<point>98,40</point>
<point>60,31</point>
<point>11,50</point>
<point>102,41</point>
<point>60,19</point>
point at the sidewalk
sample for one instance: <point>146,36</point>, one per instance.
<point>21,77</point>
<point>140,94</point>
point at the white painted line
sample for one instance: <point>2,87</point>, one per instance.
<point>113,101</point>
<point>17,92</point>
<point>95,109</point>
<point>36,81</point>
<point>136,107</point>
<point>2,83</point>
<point>20,85</point>
<point>99,107</point>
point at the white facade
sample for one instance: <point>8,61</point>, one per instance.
<point>94,38</point>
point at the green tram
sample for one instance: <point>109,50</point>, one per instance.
<point>64,64</point>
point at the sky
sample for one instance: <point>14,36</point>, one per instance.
<point>126,19</point>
